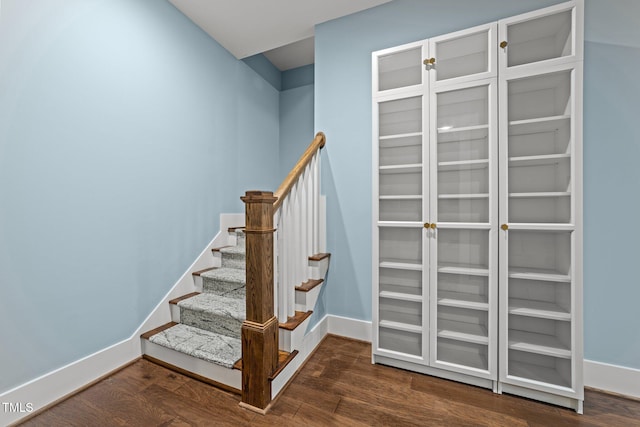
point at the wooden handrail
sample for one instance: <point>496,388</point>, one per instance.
<point>284,189</point>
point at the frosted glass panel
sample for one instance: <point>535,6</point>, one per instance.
<point>400,311</point>
<point>546,175</point>
<point>546,210</point>
<point>401,151</point>
<point>543,252</point>
<point>401,245</point>
<point>538,97</point>
<point>462,56</point>
<point>463,353</point>
<point>463,108</point>
<point>400,341</point>
<point>400,69</point>
<point>539,39</point>
<point>537,367</point>
<point>463,248</point>
<point>401,117</point>
<point>401,210</point>
<point>401,281</point>
<point>463,145</point>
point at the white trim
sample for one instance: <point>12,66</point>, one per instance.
<point>350,328</point>
<point>56,385</point>
<point>612,378</point>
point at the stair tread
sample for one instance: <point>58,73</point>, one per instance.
<point>296,320</point>
<point>319,256</point>
<point>238,250</point>
<point>217,304</point>
<point>309,284</point>
<point>226,274</point>
<point>209,346</point>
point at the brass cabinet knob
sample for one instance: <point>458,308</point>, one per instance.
<point>426,61</point>
<point>433,225</point>
<point>427,225</point>
<point>503,44</point>
<point>432,61</point>
<point>505,227</point>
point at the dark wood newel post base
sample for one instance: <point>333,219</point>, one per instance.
<point>260,330</point>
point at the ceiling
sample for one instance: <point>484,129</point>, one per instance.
<point>281,29</point>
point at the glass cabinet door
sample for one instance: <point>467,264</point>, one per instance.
<point>463,55</point>
<point>538,222</point>
<point>399,67</point>
<point>548,35</point>
<point>400,309</point>
<point>463,214</point>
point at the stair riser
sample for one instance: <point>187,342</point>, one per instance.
<point>229,262</point>
<point>231,378</point>
<point>220,287</point>
<point>212,322</point>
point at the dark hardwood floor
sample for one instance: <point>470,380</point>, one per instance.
<point>337,387</point>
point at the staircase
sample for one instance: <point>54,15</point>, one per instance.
<point>249,316</point>
<point>203,339</point>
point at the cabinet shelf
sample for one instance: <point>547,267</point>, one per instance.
<point>463,165</point>
<point>463,300</point>
<point>538,274</point>
<point>406,168</point>
<point>530,342</point>
<point>400,265</point>
<point>401,296</point>
<point>542,160</point>
<point>540,309</point>
<point>401,140</point>
<point>539,194</point>
<point>462,331</point>
<point>464,196</point>
<point>447,129</point>
<point>400,326</point>
<point>470,270</point>
<point>537,125</point>
<point>402,197</point>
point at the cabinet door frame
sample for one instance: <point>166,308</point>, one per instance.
<point>492,62</point>
<point>577,36</point>
<point>378,98</point>
<point>574,226</point>
<point>491,227</point>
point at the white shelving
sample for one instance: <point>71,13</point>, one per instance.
<point>540,181</point>
<point>477,189</point>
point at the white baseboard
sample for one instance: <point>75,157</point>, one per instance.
<point>350,328</point>
<point>54,386</point>
<point>612,378</point>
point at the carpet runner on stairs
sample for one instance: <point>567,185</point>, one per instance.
<point>210,322</point>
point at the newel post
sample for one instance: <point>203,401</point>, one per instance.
<point>260,330</point>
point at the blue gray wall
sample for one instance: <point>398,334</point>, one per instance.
<point>611,148</point>
<point>124,132</point>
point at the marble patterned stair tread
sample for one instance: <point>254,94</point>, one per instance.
<point>214,313</point>
<point>224,281</point>
<point>236,252</point>
<point>215,348</point>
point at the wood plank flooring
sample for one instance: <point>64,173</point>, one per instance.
<point>338,386</point>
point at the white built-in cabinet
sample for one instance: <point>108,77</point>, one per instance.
<point>477,195</point>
